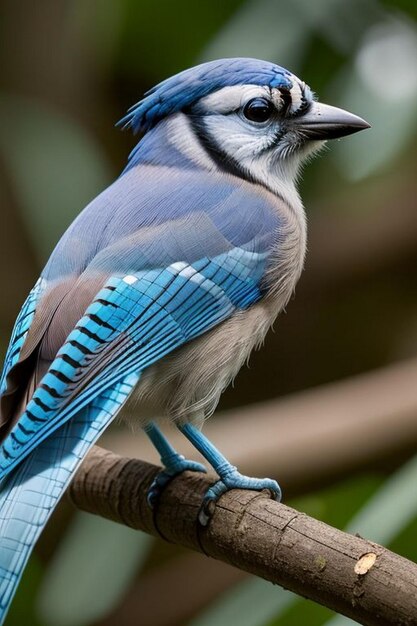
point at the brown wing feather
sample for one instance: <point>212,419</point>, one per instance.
<point>58,311</point>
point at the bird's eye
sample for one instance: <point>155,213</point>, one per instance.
<point>258,110</point>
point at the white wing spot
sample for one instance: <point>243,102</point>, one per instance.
<point>178,266</point>
<point>188,272</point>
<point>130,279</point>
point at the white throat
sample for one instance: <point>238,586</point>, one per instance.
<point>278,177</point>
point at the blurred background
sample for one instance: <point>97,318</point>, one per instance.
<point>329,404</point>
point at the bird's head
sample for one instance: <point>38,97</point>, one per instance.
<point>253,117</point>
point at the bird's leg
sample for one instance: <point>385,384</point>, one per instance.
<point>230,478</point>
<point>173,463</point>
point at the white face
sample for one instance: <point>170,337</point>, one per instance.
<point>253,127</point>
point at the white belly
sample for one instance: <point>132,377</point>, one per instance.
<point>186,385</point>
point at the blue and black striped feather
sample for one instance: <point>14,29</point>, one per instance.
<point>20,331</point>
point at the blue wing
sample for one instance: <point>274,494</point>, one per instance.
<point>134,321</point>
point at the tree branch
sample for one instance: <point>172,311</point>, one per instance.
<point>351,575</point>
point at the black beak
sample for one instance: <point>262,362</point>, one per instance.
<point>323,121</point>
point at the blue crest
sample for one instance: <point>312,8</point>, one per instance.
<point>180,91</point>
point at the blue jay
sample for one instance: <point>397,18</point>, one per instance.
<point>162,286</point>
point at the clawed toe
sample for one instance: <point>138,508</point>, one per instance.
<point>193,466</point>
<point>166,475</point>
<point>235,480</point>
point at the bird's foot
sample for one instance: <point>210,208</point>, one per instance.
<point>234,480</point>
<point>176,465</point>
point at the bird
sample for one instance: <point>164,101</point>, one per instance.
<point>162,286</point>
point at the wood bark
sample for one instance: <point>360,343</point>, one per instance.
<point>349,574</point>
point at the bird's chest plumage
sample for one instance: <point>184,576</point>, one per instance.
<point>187,384</point>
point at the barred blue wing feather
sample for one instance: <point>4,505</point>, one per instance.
<point>20,331</point>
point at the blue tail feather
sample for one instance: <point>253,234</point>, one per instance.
<point>29,495</point>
